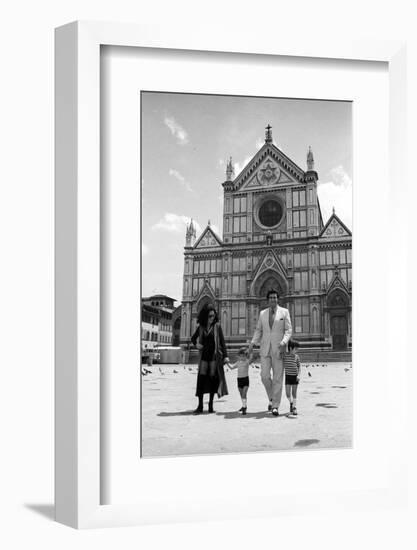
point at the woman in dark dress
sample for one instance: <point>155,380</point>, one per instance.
<point>209,340</point>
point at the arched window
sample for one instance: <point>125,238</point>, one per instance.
<point>315,320</point>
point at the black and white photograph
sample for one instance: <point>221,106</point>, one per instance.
<point>246,274</point>
<point>208,274</point>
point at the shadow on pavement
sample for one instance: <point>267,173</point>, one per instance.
<point>226,415</point>
<point>177,413</point>
<point>306,442</point>
<point>256,415</point>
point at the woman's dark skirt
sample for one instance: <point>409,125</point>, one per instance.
<point>212,384</point>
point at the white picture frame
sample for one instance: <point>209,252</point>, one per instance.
<point>77,425</point>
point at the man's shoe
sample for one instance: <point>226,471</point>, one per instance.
<point>243,409</point>
<point>275,411</point>
<point>198,410</point>
<point>210,409</point>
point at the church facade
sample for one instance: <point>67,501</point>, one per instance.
<point>274,236</point>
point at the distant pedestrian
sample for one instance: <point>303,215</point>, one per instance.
<point>209,340</point>
<point>242,364</point>
<point>292,369</point>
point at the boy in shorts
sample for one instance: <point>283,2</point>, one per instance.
<point>292,374</point>
<point>242,365</point>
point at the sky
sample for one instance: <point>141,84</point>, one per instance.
<point>186,142</point>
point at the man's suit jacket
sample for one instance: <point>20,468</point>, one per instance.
<point>272,338</point>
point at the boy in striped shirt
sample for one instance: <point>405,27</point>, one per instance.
<point>292,374</point>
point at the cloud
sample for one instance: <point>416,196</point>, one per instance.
<point>240,166</point>
<point>337,193</point>
<point>179,177</point>
<point>176,130</point>
<point>340,177</point>
<point>174,223</point>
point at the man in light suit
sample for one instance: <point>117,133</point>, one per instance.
<point>272,332</point>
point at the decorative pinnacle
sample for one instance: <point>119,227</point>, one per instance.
<point>334,210</point>
<point>208,223</point>
<point>191,228</point>
<point>230,171</point>
<point>310,159</point>
<point>268,134</point>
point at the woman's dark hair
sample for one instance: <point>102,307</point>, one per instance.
<point>202,318</point>
<point>293,344</point>
<point>272,291</point>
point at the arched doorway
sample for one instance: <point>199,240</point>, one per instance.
<point>338,308</point>
<point>270,279</point>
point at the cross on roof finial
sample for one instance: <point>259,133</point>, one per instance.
<point>334,210</point>
<point>268,134</point>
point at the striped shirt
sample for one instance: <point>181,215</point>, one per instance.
<point>291,364</point>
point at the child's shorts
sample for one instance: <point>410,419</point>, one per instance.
<point>291,380</point>
<point>242,382</point>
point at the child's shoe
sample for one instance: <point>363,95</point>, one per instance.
<point>291,408</point>
<point>294,411</point>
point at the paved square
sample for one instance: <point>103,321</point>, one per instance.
<point>324,418</point>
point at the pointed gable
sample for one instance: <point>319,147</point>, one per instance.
<point>208,239</point>
<point>335,228</point>
<point>337,283</point>
<point>206,291</point>
<point>270,166</point>
<point>269,261</point>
